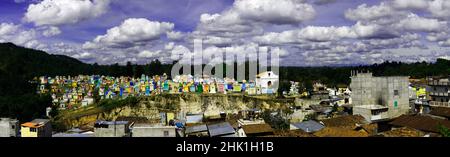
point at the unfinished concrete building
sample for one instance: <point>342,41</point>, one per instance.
<point>147,130</point>
<point>9,127</point>
<point>111,129</point>
<point>379,98</point>
<point>438,91</point>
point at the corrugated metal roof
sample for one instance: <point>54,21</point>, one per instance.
<point>321,108</point>
<point>73,135</point>
<point>196,128</point>
<point>42,121</point>
<point>111,122</point>
<point>309,126</point>
<point>223,128</point>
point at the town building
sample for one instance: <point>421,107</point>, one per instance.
<point>255,130</point>
<point>146,130</point>
<point>37,128</point>
<point>111,129</point>
<point>376,93</point>
<point>321,111</point>
<point>372,113</point>
<point>75,132</point>
<point>320,91</point>
<point>438,91</point>
<point>9,127</point>
<point>416,92</point>
<point>252,124</point>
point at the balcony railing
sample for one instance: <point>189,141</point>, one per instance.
<point>438,83</point>
<point>378,117</point>
<point>442,104</point>
<point>439,94</point>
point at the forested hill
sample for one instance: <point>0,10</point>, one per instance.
<point>29,63</point>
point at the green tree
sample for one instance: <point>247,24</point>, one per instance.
<point>275,121</point>
<point>444,131</point>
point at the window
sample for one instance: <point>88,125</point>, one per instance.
<point>166,133</point>
<point>395,92</point>
<point>32,129</point>
<point>13,127</point>
<point>376,112</point>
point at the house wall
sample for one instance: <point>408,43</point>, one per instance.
<point>198,134</point>
<point>241,133</point>
<point>363,112</point>
<point>367,114</point>
<point>154,132</point>
<point>263,83</point>
<point>369,90</point>
<point>4,128</point>
<point>45,131</point>
<point>398,103</point>
<point>27,133</point>
<point>9,127</point>
<point>112,131</point>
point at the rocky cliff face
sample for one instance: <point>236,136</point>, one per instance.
<point>182,104</point>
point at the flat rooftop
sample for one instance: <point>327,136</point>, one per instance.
<point>152,126</point>
<point>111,122</point>
<point>371,107</point>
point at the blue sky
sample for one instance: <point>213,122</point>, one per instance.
<point>306,32</point>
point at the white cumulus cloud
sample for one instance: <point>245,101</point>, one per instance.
<point>58,12</point>
<point>132,31</point>
<point>148,54</point>
<point>51,31</point>
<point>277,12</point>
<point>416,23</point>
<point>411,4</point>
